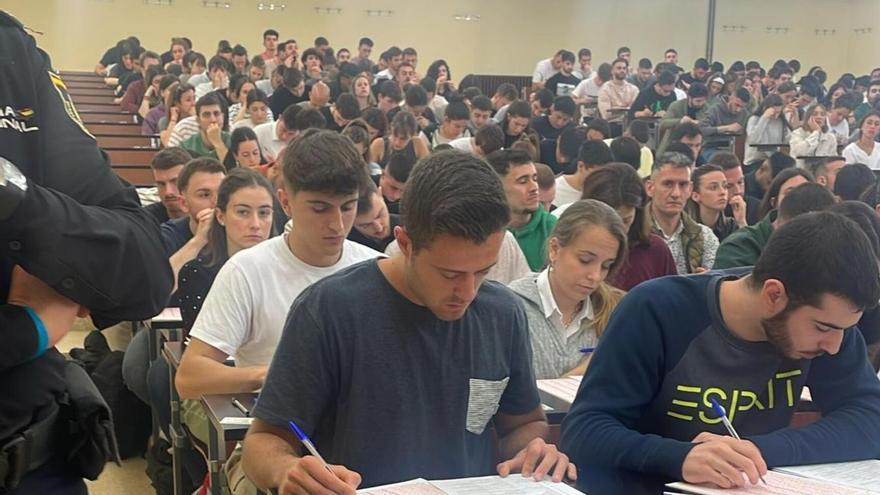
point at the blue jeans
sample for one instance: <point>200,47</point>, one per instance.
<point>136,364</point>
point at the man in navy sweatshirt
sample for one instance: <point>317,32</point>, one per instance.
<point>751,341</point>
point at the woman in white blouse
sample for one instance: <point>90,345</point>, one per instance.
<point>865,150</point>
<point>812,138</point>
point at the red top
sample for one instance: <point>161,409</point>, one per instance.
<point>644,263</point>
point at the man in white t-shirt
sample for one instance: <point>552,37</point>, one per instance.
<point>488,139</point>
<point>545,69</point>
<point>274,136</point>
<point>591,155</point>
<point>244,312</point>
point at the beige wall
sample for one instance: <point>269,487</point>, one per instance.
<point>510,38</point>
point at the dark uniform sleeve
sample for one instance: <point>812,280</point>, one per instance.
<point>79,228</point>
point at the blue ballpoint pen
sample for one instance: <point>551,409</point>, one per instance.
<point>587,350</point>
<point>719,410</point>
<point>304,439</point>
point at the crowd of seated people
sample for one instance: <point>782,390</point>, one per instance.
<point>608,179</point>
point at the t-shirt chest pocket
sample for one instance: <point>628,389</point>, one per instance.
<point>483,399</point>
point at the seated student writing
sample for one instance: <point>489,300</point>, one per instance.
<point>381,358</point>
<point>750,340</point>
<point>568,304</point>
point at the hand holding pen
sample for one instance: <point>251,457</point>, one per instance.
<point>311,474</point>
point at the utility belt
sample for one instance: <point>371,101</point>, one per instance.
<point>77,429</point>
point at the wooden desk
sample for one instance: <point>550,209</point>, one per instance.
<point>115,129</point>
<point>136,175</point>
<point>76,91</point>
<point>130,156</point>
<point>108,118</point>
<point>123,141</point>
<point>100,100</point>
<point>79,84</point>
<point>226,424</point>
<point>97,107</point>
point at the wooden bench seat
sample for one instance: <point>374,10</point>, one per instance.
<point>98,107</point>
<point>123,141</point>
<point>136,175</point>
<point>76,91</point>
<point>116,129</point>
<point>100,100</point>
<point>130,156</point>
<point>108,118</point>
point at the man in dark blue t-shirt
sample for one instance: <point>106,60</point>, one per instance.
<point>400,368</point>
<point>749,340</point>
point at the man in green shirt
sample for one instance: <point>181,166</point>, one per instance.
<point>530,223</point>
<point>211,141</point>
<point>744,247</point>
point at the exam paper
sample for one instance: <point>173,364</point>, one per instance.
<point>777,484</point>
<point>514,484</point>
<point>496,485</point>
<point>412,487</point>
<point>858,474</point>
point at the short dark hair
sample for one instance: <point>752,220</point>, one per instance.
<point>212,98</point>
<point>834,256</point>
<point>310,118</point>
<point>519,108</point>
<point>594,153</point>
<point>324,161</point>
<point>204,164</point>
<point>670,50</point>
<point>584,52</point>
<point>169,158</point>
<point>453,193</point>
<point>772,193</point>
<point>376,119</point>
<point>743,94</point>
<point>482,103</point>
<point>289,116</point>
<point>292,77</point>
<point>666,78</point>
<point>399,166</point>
<point>804,199</point>
<point>507,90</point>
<point>489,138</point>
<point>702,170</point>
<point>623,49</point>
<point>780,161</point>
<point>270,32</point>
<point>544,97</point>
<point>472,92</point>
<point>429,83</point>
<point>416,96</point>
<point>672,158</point>
<point>639,130</point>
<point>645,63</point>
<point>570,142</point>
<point>682,149</point>
<point>566,56</point>
<point>502,160</point>
<point>865,217</point>
<point>404,121</point>
<point>365,42</point>
<point>321,41</point>
<point>457,110</point>
<point>347,106</point>
<point>599,125</point>
<point>390,89</point>
<point>218,62</point>
<point>726,160</point>
<point>365,197</point>
<point>852,179</point>
<point>701,63</point>
<point>698,90</point>
<point>686,129</point>
<point>627,150</point>
<point>310,52</point>
<point>239,51</point>
<point>565,104</point>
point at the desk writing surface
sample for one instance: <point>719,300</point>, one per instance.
<point>168,315</point>
<point>777,484</point>
<point>218,407</point>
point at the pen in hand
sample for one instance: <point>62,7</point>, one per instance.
<point>304,439</point>
<point>719,410</point>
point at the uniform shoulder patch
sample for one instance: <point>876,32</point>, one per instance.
<point>67,101</point>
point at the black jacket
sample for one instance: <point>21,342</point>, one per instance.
<point>79,227</point>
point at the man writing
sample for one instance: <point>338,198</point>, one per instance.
<point>413,394</point>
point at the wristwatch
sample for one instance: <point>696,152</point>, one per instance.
<point>13,185</point>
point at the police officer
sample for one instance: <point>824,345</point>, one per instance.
<point>73,241</point>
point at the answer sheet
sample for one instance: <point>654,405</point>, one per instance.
<point>858,474</point>
<point>559,393</point>
<point>777,484</point>
<point>487,485</point>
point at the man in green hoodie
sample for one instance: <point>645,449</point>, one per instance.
<point>530,223</point>
<point>744,247</point>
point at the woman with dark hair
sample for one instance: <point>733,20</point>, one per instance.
<point>242,219</point>
<point>238,95</point>
<point>836,91</point>
<point>404,138</point>
<point>180,104</point>
<point>812,137</point>
<point>516,121</point>
<point>784,182</point>
<point>256,112</point>
<point>865,149</point>
<point>244,152</point>
<point>618,185</point>
<point>377,122</point>
<point>767,126</point>
<point>439,71</point>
